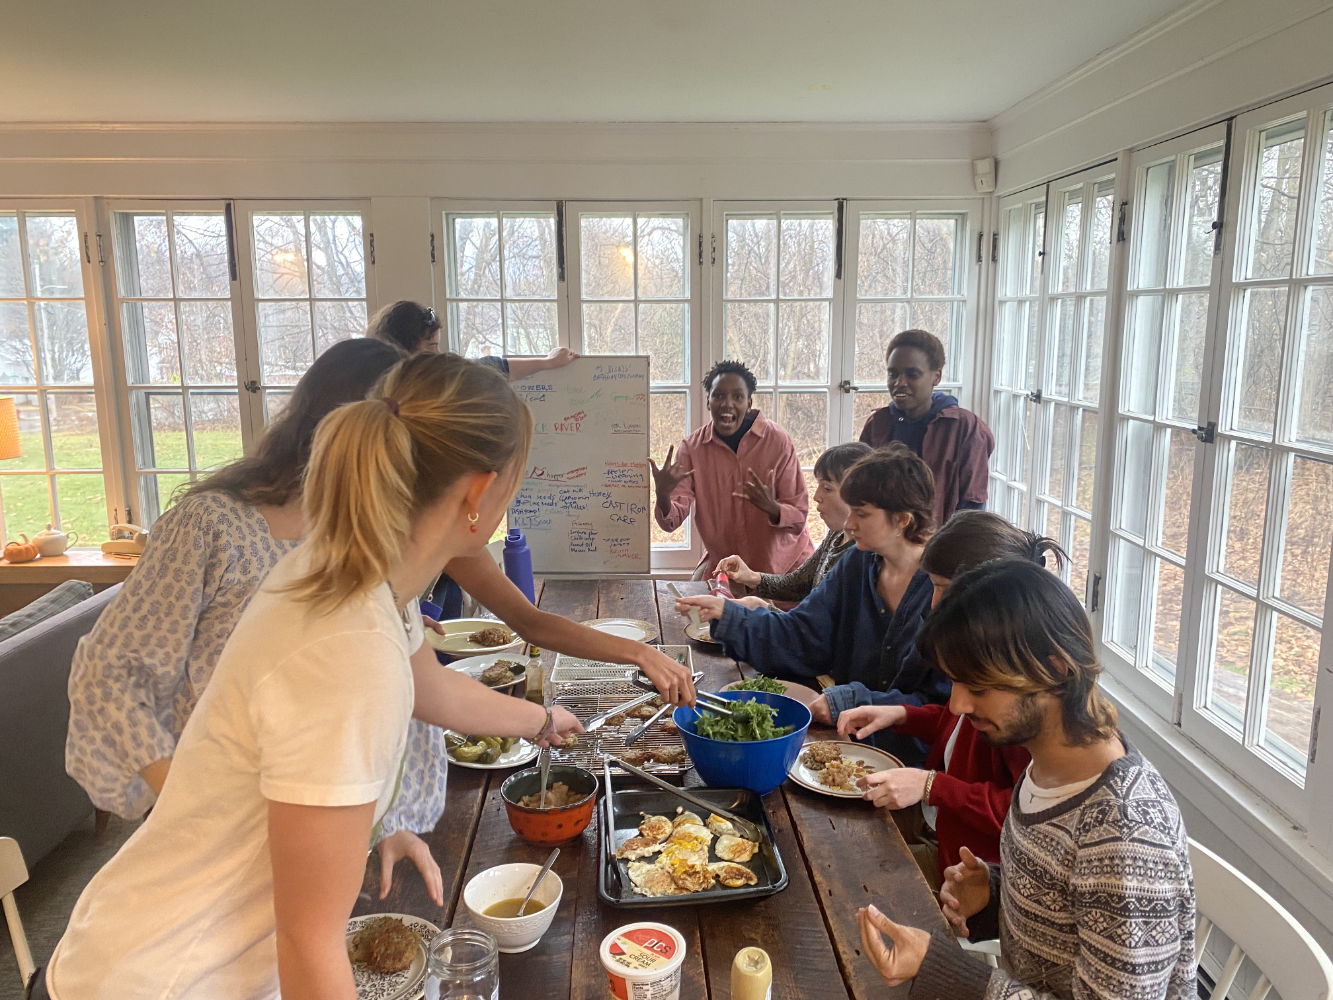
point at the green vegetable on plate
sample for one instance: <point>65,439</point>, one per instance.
<point>749,721</point>
<point>760,683</point>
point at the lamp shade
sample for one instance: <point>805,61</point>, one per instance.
<point>9,429</point>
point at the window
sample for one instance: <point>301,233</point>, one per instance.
<point>1014,368</point>
<point>47,366</point>
<point>634,278</point>
<point>1175,208</point>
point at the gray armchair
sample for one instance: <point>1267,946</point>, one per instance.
<point>39,803</point>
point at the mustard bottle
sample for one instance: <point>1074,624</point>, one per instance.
<point>751,975</point>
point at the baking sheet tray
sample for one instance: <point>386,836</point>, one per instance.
<point>631,803</point>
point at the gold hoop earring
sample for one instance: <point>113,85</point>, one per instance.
<point>472,521</point>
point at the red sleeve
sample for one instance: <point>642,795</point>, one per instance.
<point>974,462</point>
<point>923,722</point>
<point>982,800</point>
<point>865,431</point>
<point>682,497</point>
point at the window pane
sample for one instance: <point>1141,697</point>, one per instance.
<point>606,246</point>
<point>1291,685</point>
<point>1273,223</point>
<point>1247,504</point>
<point>201,256</point>
<point>1201,199</point>
<point>27,503</point>
<point>62,341</point>
<point>338,321</point>
<point>210,348</point>
<point>1061,349</point>
<point>933,261</point>
<point>216,421</point>
<point>157,493</point>
<point>159,430</point>
<point>1094,325</point>
<point>30,438</point>
<point>1187,369</point>
<point>807,257</point>
<point>1321,245</point>
<point>1099,236</point>
<point>143,255</point>
<point>765,401</point>
<point>1229,685</point>
<point>11,257</point>
<point>1259,358</point>
<point>662,253</point>
<point>864,404</point>
<point>1126,589</point>
<point>1080,558</point>
<point>72,418</point>
<point>152,355</point>
<point>813,522</point>
<point>1087,460</point>
<point>667,413</point>
<point>752,258</point>
<point>531,328</point>
<point>16,365</point>
<point>1308,537</point>
<point>280,264</point>
<point>876,324</point>
<point>285,347</point>
<point>82,502</point>
<point>474,270</point>
<point>1139,373</point>
<point>749,336</point>
<point>529,257</point>
<point>884,256</point>
<point>1053,521</point>
<point>274,404</point>
<point>1055,472</point>
<point>1178,490</point>
<point>804,415</point>
<point>803,341</point>
<point>1314,416</point>
<point>1159,185</point>
<point>608,327</point>
<point>1136,440</point>
<point>53,256</point>
<point>337,256</point>
<point>937,318</point>
<point>663,331</point>
<point>1066,258</point>
<point>1166,619</point>
<point>478,326</point>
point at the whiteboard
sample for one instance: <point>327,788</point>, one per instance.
<point>584,503</point>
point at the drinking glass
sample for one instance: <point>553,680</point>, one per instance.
<point>463,965</point>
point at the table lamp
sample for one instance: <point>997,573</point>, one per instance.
<point>9,429</point>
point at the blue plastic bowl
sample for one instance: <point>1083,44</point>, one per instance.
<point>759,766</point>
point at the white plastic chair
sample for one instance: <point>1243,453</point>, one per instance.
<point>13,873</point>
<point>1288,958</point>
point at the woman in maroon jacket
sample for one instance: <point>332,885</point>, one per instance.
<point>954,442</point>
<point>966,783</point>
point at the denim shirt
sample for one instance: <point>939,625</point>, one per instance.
<point>843,628</point>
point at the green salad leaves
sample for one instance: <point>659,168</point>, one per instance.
<point>749,721</point>
<point>760,683</point>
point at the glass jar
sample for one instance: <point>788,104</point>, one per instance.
<point>463,965</point>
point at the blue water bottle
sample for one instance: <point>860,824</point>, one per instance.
<point>518,564</point>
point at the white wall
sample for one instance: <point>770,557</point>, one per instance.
<point>1204,63</point>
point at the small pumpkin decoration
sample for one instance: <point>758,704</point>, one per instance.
<point>21,552</point>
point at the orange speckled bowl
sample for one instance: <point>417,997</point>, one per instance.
<point>550,826</point>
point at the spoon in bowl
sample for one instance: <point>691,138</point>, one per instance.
<point>540,875</point>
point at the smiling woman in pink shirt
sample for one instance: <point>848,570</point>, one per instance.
<point>741,475</point>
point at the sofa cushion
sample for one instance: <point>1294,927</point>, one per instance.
<point>62,598</point>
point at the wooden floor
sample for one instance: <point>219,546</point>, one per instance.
<point>840,854</point>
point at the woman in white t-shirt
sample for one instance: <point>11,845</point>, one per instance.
<point>240,882</point>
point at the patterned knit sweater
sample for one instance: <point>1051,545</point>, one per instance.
<point>796,585</point>
<point>1093,900</point>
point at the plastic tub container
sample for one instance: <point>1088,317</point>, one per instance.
<point>759,766</point>
<point>642,961</point>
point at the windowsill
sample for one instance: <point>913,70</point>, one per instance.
<point>1277,846</point>
<point>88,564</point>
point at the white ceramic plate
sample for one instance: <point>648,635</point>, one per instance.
<point>407,985</point>
<point>797,692</point>
<point>455,642</point>
<point>626,628</point>
<point>875,760</point>
<point>702,634</point>
<point>520,753</point>
<point>474,665</point>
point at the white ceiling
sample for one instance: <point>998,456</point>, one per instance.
<point>546,60</point>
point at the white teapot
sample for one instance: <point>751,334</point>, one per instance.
<point>53,541</point>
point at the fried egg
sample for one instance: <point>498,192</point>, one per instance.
<point>735,848</point>
<point>721,827</point>
<point>733,876</point>
<point>638,847</point>
<point>655,828</point>
<point>692,830</point>
<point>651,880</point>
<point>686,817</point>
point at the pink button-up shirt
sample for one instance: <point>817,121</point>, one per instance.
<point>731,525</point>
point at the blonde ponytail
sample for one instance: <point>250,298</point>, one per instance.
<point>378,463</point>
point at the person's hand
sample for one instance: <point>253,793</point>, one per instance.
<point>563,725</point>
<point>667,476</point>
<point>406,844</point>
<point>896,788</point>
<point>558,358</point>
<point>763,495</point>
<point>821,712</point>
<point>709,607</point>
<point>752,602</point>
<point>671,678</point>
<point>432,624</point>
<point>966,890</point>
<point>863,720</point>
<point>735,568</point>
<point>902,960</point>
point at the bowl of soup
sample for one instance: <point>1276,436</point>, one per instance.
<point>492,899</point>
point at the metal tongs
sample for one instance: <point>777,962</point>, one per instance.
<point>748,830</point>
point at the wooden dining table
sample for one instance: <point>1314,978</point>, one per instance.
<point>840,855</point>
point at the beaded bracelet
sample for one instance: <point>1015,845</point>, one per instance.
<point>545,729</point>
<point>925,794</point>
